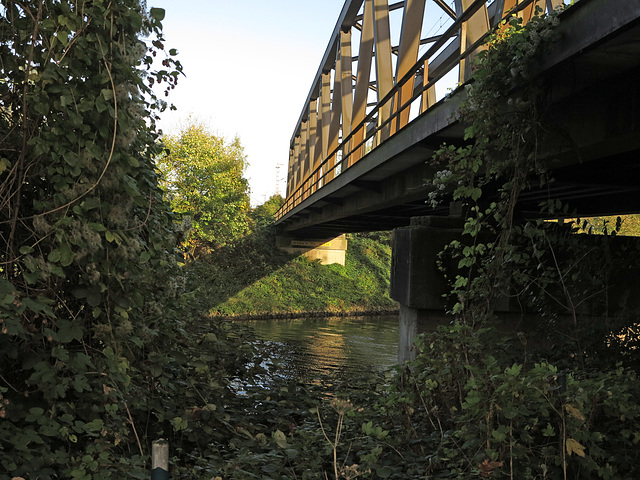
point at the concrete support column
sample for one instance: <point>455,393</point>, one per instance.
<point>326,250</point>
<point>407,331</point>
<point>414,321</point>
<point>416,283</point>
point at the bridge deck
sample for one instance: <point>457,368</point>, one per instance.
<point>592,76</point>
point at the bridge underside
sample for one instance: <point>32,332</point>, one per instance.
<point>592,81</point>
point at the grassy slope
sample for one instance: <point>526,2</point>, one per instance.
<point>252,278</point>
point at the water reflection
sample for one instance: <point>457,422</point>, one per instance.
<point>315,349</point>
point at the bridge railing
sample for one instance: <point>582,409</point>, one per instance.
<point>342,121</point>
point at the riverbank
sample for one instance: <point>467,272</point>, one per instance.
<point>251,279</point>
<point>308,314</point>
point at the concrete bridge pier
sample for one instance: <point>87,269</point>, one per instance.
<point>416,283</point>
<point>418,286</point>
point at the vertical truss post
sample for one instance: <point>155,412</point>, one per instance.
<point>384,71</point>
<point>428,94</point>
<point>290,178</point>
<point>407,57</point>
<point>472,30</point>
<point>325,97</point>
<point>313,142</point>
<point>365,56</point>
<point>297,169</point>
<point>336,114</point>
<point>304,157</point>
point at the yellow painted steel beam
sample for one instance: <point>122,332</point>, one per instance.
<point>336,111</point>
<point>365,56</point>
<point>471,31</point>
<point>304,155</point>
<point>407,57</point>
<point>313,131</point>
<point>296,164</point>
<point>428,94</point>
<point>346,86</point>
<point>315,148</point>
<point>384,71</point>
<point>336,115</point>
<point>325,99</point>
<point>290,179</point>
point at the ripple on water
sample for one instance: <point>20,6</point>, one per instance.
<point>336,347</point>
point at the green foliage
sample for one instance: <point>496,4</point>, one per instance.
<point>82,223</point>
<point>489,417</point>
<point>499,403</point>
<point>202,176</point>
<point>264,214</point>
<point>543,267</point>
<point>101,351</point>
<point>252,277</point>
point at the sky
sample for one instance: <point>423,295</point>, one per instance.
<point>249,66</point>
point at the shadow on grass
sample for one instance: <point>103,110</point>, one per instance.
<point>253,278</point>
<point>220,275</point>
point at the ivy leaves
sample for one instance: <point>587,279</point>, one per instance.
<point>81,220</point>
<point>157,14</point>
<point>488,174</point>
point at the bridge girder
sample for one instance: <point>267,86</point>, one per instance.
<point>394,123</point>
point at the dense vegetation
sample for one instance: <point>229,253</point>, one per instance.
<point>541,405</point>
<point>249,278</point>
<point>85,236</point>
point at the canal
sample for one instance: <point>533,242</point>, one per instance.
<point>329,348</point>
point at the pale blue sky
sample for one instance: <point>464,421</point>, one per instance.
<point>249,67</point>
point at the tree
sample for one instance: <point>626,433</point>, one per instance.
<point>265,214</point>
<point>202,175</point>
<point>84,233</point>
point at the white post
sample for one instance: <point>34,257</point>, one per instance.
<point>160,460</point>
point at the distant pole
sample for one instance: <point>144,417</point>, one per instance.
<point>160,460</point>
<point>278,179</point>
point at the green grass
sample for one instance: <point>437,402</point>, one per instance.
<point>252,278</point>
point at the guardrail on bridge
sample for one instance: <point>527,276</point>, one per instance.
<point>346,115</point>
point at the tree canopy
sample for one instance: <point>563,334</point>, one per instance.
<point>202,175</point>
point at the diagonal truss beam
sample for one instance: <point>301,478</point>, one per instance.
<point>341,122</point>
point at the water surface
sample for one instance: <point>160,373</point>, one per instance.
<point>336,347</point>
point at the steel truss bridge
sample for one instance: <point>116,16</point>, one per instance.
<point>386,94</point>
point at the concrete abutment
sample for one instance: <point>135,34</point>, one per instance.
<point>326,250</point>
